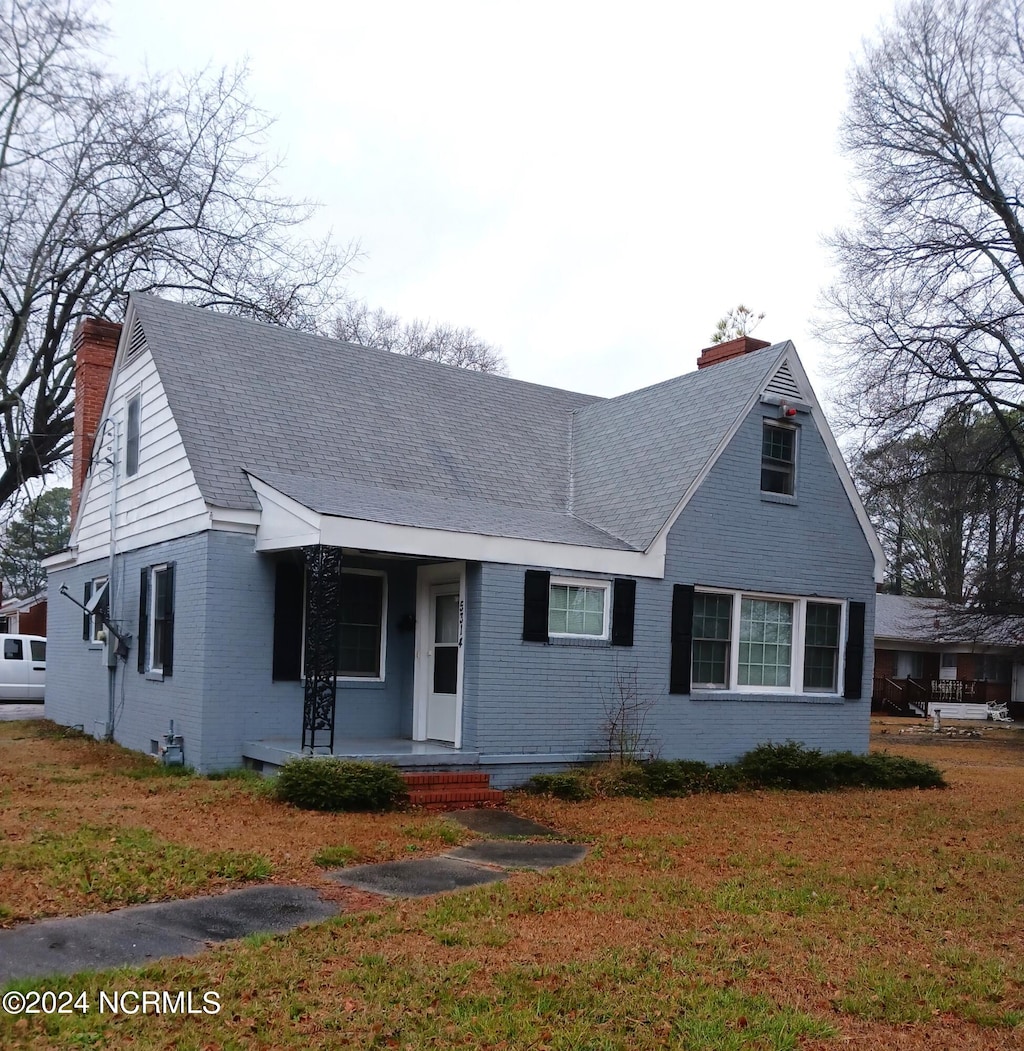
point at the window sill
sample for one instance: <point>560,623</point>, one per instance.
<point>770,698</point>
<point>578,642</point>
<point>360,684</point>
<point>778,498</point>
<point>154,676</point>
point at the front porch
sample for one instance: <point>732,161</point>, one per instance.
<point>269,753</point>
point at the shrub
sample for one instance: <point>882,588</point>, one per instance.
<point>789,765</point>
<point>572,785</point>
<point>897,771</point>
<point>325,783</point>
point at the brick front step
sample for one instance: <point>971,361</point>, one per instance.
<point>455,798</point>
<point>435,778</point>
<point>451,791</point>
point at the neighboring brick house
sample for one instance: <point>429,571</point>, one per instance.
<point>931,651</point>
<point>322,545</point>
<point>23,616</point>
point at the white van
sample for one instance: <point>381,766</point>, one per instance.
<point>22,667</point>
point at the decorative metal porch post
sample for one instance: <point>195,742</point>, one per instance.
<point>323,598</point>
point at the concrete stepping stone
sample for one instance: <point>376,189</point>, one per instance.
<point>418,878</point>
<point>144,933</point>
<point>535,856</point>
<point>499,823</point>
<point>510,855</point>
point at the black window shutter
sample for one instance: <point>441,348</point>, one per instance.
<point>854,652</point>
<point>623,608</point>
<point>86,633</point>
<point>167,657</point>
<point>288,621</point>
<point>682,637</point>
<point>535,605</point>
<point>143,639</point>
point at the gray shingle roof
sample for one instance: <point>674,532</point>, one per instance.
<point>368,434</point>
<point>635,456</point>
<point>903,618</point>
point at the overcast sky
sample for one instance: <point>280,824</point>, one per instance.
<point>588,185</point>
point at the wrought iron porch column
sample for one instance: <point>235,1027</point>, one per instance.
<point>323,599</point>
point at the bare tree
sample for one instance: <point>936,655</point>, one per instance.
<point>357,323</point>
<point>108,186</point>
<point>929,305</point>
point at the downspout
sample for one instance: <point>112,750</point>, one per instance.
<point>109,644</point>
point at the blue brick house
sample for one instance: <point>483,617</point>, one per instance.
<point>305,545</point>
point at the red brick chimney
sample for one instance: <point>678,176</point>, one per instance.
<point>94,344</point>
<point>733,348</point>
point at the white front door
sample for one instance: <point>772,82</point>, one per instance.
<point>443,661</point>
<point>440,620</point>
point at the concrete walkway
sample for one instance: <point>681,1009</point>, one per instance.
<point>11,710</point>
<point>144,933</point>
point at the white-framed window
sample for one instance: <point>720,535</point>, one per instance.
<point>909,664</point>
<point>94,621</point>
<point>362,621</point>
<point>993,668</point>
<point>578,608</point>
<point>96,629</point>
<point>133,434</point>
<point>754,643</point>
<point>156,620</point>
<point>778,458</point>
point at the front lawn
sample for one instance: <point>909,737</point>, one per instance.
<point>860,919</point>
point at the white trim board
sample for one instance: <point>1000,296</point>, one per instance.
<point>286,524</point>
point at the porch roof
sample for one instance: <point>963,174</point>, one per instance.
<point>457,514</point>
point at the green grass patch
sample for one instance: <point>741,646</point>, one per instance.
<point>126,866</point>
<point>331,857</point>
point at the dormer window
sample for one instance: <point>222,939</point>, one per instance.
<point>778,459</point>
<point>133,431</point>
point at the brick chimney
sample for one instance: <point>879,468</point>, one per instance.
<point>94,344</point>
<point>733,348</point>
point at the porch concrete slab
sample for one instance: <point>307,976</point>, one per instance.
<point>143,933</point>
<point>276,751</point>
<point>512,855</point>
<point>417,879</point>
<point>499,823</point>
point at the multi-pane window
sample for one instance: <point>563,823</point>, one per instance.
<point>993,668</point>
<point>754,643</point>
<point>778,459</point>
<point>909,664</point>
<point>156,620</point>
<point>821,647</point>
<point>96,600</point>
<point>133,432</point>
<point>578,609</point>
<point>712,624</point>
<point>766,642</point>
<point>360,626</point>
<point>159,617</point>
